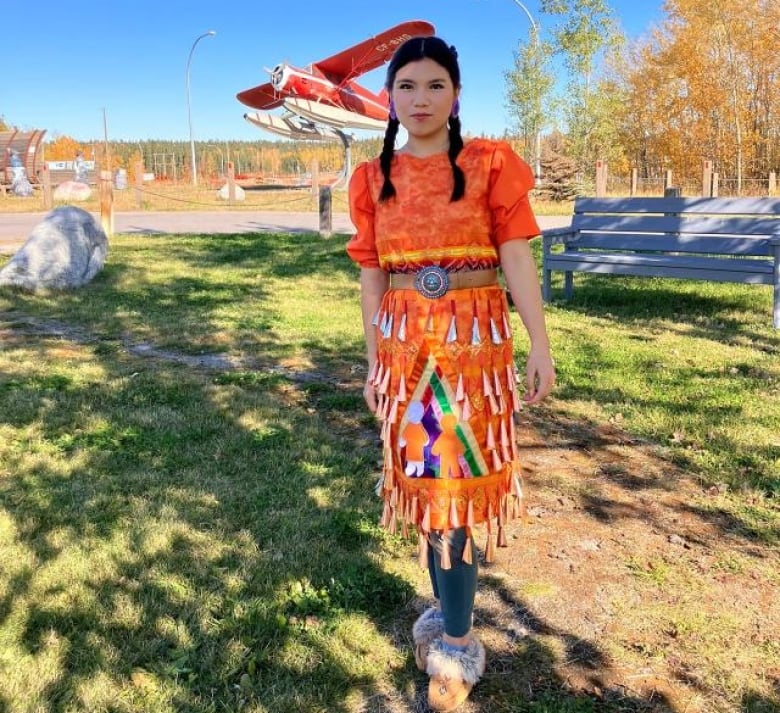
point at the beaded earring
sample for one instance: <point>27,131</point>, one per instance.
<point>391,111</point>
<point>455,109</point>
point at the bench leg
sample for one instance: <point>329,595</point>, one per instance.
<point>776,286</point>
<point>568,285</point>
<point>546,285</point>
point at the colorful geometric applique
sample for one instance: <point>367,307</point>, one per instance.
<point>433,417</point>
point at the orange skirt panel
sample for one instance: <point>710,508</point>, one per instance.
<point>447,389</point>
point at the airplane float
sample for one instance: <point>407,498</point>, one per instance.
<point>323,100</point>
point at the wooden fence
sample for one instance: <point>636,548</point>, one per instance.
<point>711,185</point>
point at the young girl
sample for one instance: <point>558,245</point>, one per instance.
<point>435,220</point>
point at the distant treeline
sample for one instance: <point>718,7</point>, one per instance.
<point>172,158</point>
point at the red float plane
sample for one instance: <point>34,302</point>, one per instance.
<point>330,82</point>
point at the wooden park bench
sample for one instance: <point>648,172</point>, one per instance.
<point>717,239</point>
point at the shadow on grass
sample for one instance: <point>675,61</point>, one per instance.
<point>667,385</point>
<point>559,430</point>
<point>530,681</point>
<point>192,540</point>
<point>698,309</point>
<point>183,557</point>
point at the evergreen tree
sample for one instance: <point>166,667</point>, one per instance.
<point>559,171</point>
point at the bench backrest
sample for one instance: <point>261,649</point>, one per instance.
<point>734,226</point>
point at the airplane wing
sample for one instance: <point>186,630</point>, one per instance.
<point>371,53</point>
<point>261,97</point>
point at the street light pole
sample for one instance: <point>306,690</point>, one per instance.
<point>538,137</point>
<point>527,12</point>
<point>210,33</point>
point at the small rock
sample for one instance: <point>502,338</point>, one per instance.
<point>72,191</point>
<point>518,629</point>
<point>238,193</point>
<point>590,545</point>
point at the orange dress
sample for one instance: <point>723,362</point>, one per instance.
<point>445,370</point>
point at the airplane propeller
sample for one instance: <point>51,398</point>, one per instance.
<point>277,76</point>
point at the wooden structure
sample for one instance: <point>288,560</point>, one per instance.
<point>716,239</point>
<point>29,146</point>
<point>62,171</point>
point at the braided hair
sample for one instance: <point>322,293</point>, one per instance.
<point>413,50</point>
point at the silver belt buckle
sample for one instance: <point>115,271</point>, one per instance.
<point>432,282</point>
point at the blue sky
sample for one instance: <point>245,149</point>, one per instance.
<point>69,64</point>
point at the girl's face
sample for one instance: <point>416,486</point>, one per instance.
<point>423,95</point>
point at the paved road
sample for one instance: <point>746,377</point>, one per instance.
<point>15,227</point>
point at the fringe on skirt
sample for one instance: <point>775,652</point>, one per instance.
<point>447,387</point>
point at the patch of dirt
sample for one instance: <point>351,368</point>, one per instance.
<point>625,586</point>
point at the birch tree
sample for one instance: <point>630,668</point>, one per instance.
<point>585,32</point>
<point>528,86</point>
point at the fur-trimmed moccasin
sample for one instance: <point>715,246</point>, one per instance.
<point>453,672</point>
<point>429,626</point>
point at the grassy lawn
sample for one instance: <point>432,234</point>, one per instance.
<point>187,520</point>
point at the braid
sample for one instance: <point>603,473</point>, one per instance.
<point>385,159</point>
<point>456,144</point>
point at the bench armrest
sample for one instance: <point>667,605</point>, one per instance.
<point>556,236</point>
<point>557,233</point>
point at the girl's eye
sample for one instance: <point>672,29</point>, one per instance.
<point>404,85</point>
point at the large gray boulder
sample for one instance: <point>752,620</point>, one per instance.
<point>67,249</point>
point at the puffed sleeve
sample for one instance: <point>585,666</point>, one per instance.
<point>510,180</point>
<point>362,246</point>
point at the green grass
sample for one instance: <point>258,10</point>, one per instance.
<point>192,539</point>
<point>691,366</point>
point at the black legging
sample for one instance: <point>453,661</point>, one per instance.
<point>456,587</point>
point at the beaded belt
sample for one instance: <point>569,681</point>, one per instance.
<point>434,281</point>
